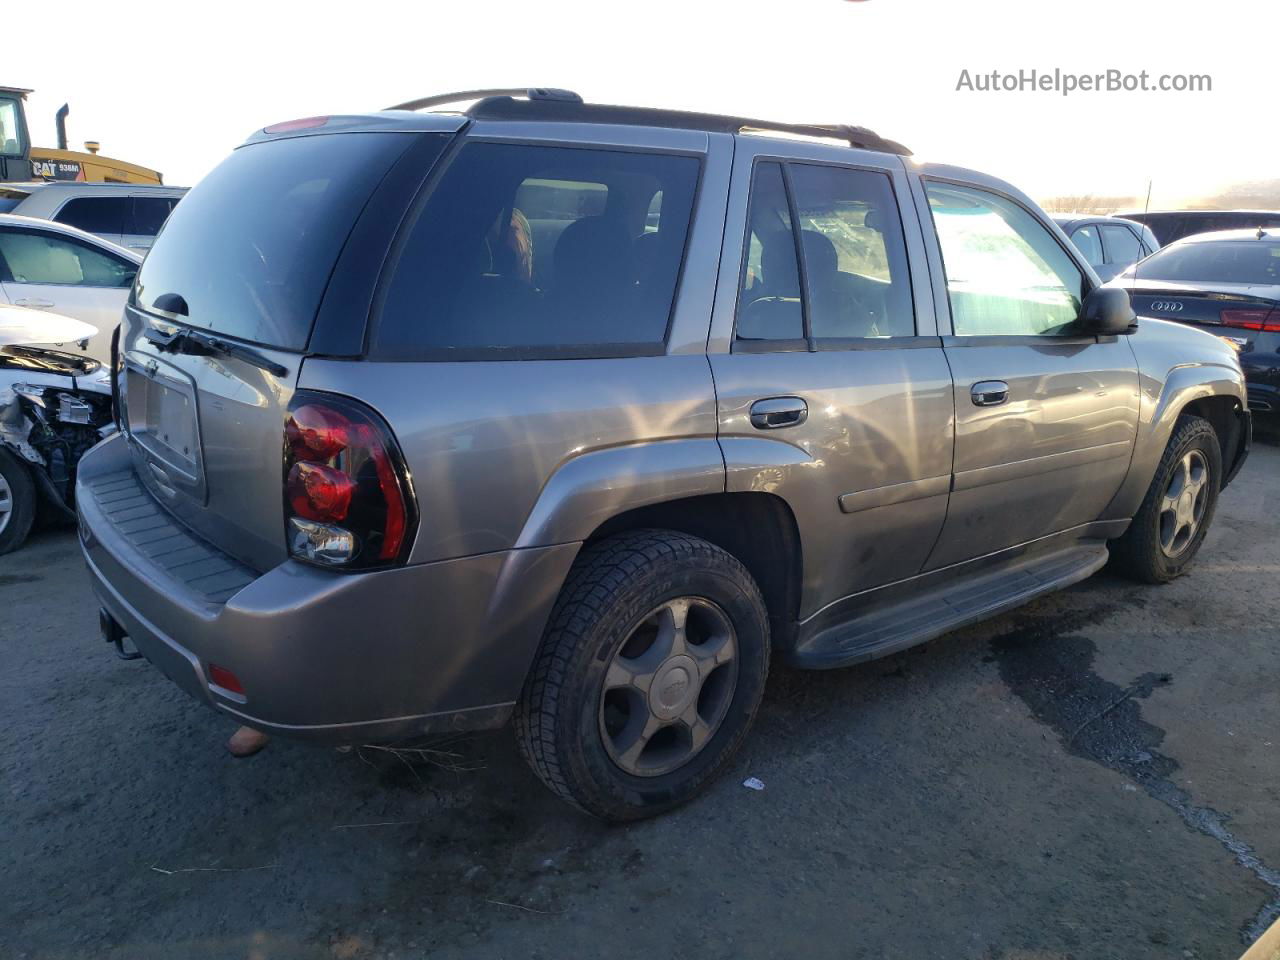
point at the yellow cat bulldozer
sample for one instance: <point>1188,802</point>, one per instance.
<point>21,162</point>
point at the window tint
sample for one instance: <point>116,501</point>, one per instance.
<point>855,257</point>
<point>1223,261</point>
<point>1122,246</point>
<point>95,214</point>
<point>550,251</point>
<point>251,247</point>
<point>30,257</point>
<point>1006,274</point>
<point>1087,242</point>
<point>769,300</point>
<point>149,215</point>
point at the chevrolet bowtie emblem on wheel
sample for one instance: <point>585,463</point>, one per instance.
<point>1167,306</point>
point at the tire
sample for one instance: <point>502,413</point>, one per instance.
<point>18,493</point>
<point>1142,552</point>
<point>616,615</point>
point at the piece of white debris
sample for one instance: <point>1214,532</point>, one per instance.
<point>752,783</point>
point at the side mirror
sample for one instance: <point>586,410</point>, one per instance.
<point>1107,312</point>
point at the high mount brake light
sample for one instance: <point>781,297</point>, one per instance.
<point>348,500</point>
<point>304,123</point>
<point>1264,320</point>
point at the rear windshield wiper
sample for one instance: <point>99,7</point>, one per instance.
<point>197,344</point>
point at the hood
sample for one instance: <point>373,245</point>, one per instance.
<point>22,326</point>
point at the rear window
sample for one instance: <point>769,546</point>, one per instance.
<point>1222,261</point>
<point>540,251</point>
<point>251,247</point>
<point>95,214</point>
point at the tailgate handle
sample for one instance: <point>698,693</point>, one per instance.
<point>989,393</point>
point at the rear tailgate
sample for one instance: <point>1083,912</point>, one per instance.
<point>246,258</point>
<point>206,435</point>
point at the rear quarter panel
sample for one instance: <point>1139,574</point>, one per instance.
<point>579,440</point>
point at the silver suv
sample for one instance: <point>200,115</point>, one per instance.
<point>128,214</point>
<point>573,415</point>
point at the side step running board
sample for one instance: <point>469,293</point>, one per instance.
<point>957,603</point>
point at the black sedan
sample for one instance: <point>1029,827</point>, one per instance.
<point>1227,283</point>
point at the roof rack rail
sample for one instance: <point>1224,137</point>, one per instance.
<point>532,93</point>
<point>502,107</point>
<point>551,104</point>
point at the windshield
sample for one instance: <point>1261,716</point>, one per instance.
<point>1220,261</point>
<point>251,247</point>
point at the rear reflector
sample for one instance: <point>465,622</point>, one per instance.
<point>1265,320</point>
<point>304,123</point>
<point>224,678</point>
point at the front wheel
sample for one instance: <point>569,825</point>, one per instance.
<point>649,675</point>
<point>1169,527</point>
<point>17,502</point>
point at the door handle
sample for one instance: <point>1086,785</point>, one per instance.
<point>776,412</point>
<point>989,393</point>
<point>33,302</point>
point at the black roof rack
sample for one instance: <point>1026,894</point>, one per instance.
<point>551,104</point>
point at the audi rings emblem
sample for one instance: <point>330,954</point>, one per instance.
<point>1167,306</point>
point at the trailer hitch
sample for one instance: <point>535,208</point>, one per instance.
<point>112,632</point>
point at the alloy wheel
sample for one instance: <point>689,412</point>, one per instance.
<point>1183,505</point>
<point>6,503</point>
<point>668,687</point>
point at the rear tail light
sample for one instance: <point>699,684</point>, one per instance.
<point>347,496</point>
<point>1265,320</point>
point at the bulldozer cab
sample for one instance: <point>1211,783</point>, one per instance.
<point>15,144</point>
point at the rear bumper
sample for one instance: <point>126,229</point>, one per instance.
<point>1262,380</point>
<point>337,658</point>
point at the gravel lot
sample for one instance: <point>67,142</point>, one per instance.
<point>1094,776</point>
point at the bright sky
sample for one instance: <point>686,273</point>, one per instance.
<point>178,89</point>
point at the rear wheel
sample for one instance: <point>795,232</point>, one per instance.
<point>17,502</point>
<point>649,675</point>
<point>1169,527</point>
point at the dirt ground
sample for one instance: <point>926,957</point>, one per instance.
<point>1093,776</point>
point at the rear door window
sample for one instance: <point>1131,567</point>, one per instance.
<point>149,215</point>
<point>540,251</point>
<point>856,279</point>
<point>1087,242</point>
<point>101,215</point>
<point>1122,246</point>
<point>770,312</point>
<point>251,247</point>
